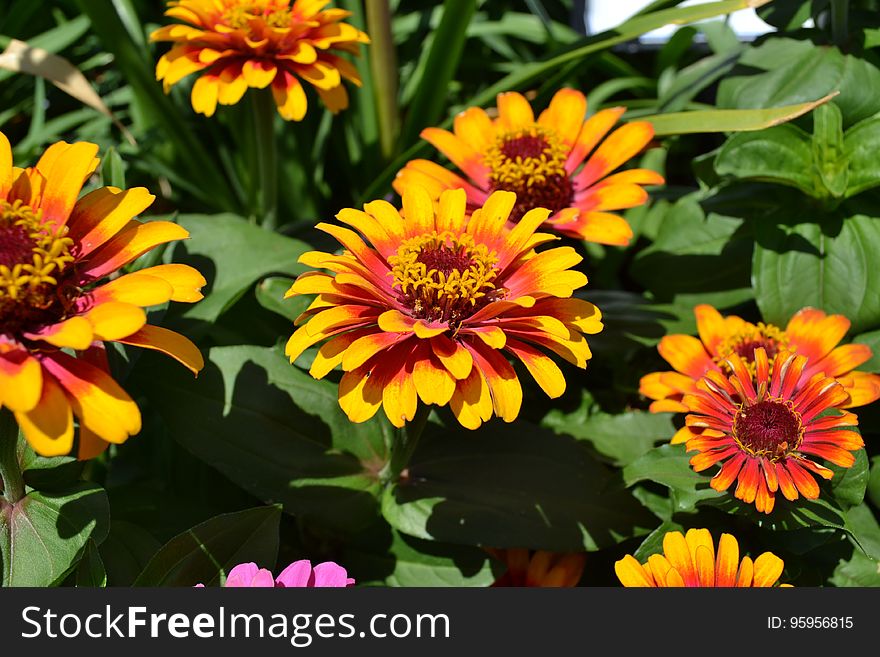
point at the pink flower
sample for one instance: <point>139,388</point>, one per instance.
<point>299,574</point>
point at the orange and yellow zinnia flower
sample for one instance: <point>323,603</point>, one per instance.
<point>427,311</point>
<point>55,250</point>
<point>765,429</point>
<point>241,44</point>
<point>540,568</point>
<point>810,333</point>
<point>690,561</point>
<point>541,162</point>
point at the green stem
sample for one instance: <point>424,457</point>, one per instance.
<point>267,157</point>
<point>839,22</point>
<point>10,472</point>
<point>383,65</point>
<point>405,442</point>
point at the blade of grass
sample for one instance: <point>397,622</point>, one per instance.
<point>440,63</point>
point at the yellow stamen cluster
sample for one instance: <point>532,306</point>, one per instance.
<point>273,13</point>
<point>525,157</point>
<point>771,338</point>
<point>444,277</point>
<point>31,253</point>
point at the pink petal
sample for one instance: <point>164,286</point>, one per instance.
<point>329,574</point>
<point>296,575</point>
<point>249,575</point>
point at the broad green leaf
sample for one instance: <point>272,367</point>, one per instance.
<point>728,120</point>
<point>517,486</point>
<point>874,482</point>
<point>849,484</point>
<point>42,536</point>
<point>208,551</point>
<point>787,516</point>
<point>802,265</point>
<point>669,465</point>
<point>695,252</point>
<point>270,293</point>
<point>653,543</point>
<point>232,254</point>
<point>274,430</point>
<point>622,438</point>
<point>90,570</point>
<point>861,144</point>
<point>784,71</point>
<point>400,560</point>
<point>781,155</point>
<point>126,551</point>
<point>863,568</point>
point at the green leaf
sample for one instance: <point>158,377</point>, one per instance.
<point>216,249</point>
<point>861,145</point>
<point>42,536</point>
<point>90,570</point>
<point>863,568</point>
<point>270,294</point>
<point>695,252</point>
<point>439,66</point>
<point>728,120</point>
<point>622,438</point>
<point>849,484</point>
<point>874,482</point>
<point>787,516</point>
<point>273,430</point>
<point>208,551</point>
<point>126,551</point>
<point>402,560</point>
<point>779,155</point>
<point>511,487</point>
<point>653,543</point>
<point>801,265</point>
<point>669,465</point>
<point>829,157</point>
<point>784,71</point>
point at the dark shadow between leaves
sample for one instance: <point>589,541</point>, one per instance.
<point>517,486</point>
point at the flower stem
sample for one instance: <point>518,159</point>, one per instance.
<point>267,157</point>
<point>10,472</point>
<point>405,442</point>
<point>383,65</point>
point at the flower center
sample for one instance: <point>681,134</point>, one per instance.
<point>743,344</point>
<point>531,163</point>
<point>444,277</point>
<point>274,13</point>
<point>32,255</point>
<point>770,428</point>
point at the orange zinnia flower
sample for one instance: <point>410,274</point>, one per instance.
<point>764,428</point>
<point>690,560</point>
<point>237,44</point>
<point>539,568</point>
<point>541,162</point>
<point>54,251</point>
<point>809,333</point>
<point>427,310</point>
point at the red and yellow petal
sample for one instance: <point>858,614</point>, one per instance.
<point>21,380</point>
<point>169,343</point>
<point>48,426</point>
<point>97,400</point>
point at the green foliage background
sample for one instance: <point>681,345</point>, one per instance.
<point>254,460</point>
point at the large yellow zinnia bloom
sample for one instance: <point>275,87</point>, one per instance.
<point>55,249</point>
<point>557,161</point>
<point>690,561</point>
<point>427,311</point>
<point>237,44</point>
